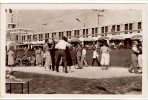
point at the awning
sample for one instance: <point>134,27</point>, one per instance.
<point>89,39</point>
<point>75,40</point>
<point>118,37</point>
<point>135,37</point>
<point>104,38</point>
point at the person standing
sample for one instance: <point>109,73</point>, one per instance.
<point>83,58</point>
<point>38,57</point>
<point>47,55</point>
<point>140,58</point>
<point>10,54</point>
<point>95,57</point>
<point>61,52</point>
<point>52,53</point>
<point>79,55</point>
<point>134,57</point>
<point>105,57</point>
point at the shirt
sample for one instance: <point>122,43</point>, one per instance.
<point>61,45</point>
<point>104,49</point>
<point>84,52</point>
<point>95,54</point>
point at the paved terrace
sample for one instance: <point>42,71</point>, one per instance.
<point>87,72</point>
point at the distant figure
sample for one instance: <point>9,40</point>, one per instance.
<point>95,57</point>
<point>48,61</point>
<point>79,55</point>
<point>105,58</point>
<point>134,58</point>
<point>11,54</point>
<point>38,57</point>
<point>140,58</point>
<point>83,58</point>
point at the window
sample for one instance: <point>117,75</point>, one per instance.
<point>118,27</point>
<point>68,34</point>
<point>34,37</point>
<point>40,37</point>
<point>83,33</point>
<point>23,38</point>
<point>96,32</point>
<point>46,35</point>
<point>106,30</point>
<point>93,32</point>
<point>86,32</point>
<point>17,37</point>
<point>130,26</point>
<point>126,28</point>
<point>77,33</point>
<point>102,29</point>
<point>53,35</point>
<point>29,38</point>
<point>139,25</point>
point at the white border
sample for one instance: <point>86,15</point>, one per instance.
<point>72,6</point>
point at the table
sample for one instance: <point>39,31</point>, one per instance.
<point>21,81</point>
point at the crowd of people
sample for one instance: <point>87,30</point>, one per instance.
<point>63,53</point>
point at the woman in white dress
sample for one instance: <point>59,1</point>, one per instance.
<point>11,54</point>
<point>48,61</point>
<point>105,58</point>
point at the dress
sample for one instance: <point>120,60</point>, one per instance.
<point>105,57</point>
<point>10,57</point>
<point>47,56</point>
<point>38,57</point>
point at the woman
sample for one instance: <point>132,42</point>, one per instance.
<point>38,53</point>
<point>83,58</point>
<point>105,58</point>
<point>134,57</point>
<point>11,54</point>
<point>47,55</point>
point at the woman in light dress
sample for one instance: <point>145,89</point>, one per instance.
<point>11,55</point>
<point>48,61</point>
<point>105,58</point>
<point>38,53</point>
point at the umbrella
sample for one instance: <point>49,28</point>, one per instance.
<point>118,38</point>
<point>136,37</point>
<point>75,40</point>
<point>104,38</point>
<point>89,39</point>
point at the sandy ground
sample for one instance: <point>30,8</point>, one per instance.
<point>87,72</point>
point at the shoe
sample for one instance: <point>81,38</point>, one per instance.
<point>66,71</point>
<point>130,71</point>
<point>57,70</point>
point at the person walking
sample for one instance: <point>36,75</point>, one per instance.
<point>134,57</point>
<point>95,57</point>
<point>47,55</point>
<point>61,47</point>
<point>105,57</point>
<point>83,58</point>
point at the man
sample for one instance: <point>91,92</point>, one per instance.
<point>79,55</point>
<point>134,57</point>
<point>61,46</point>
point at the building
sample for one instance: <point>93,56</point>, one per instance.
<point>95,24</point>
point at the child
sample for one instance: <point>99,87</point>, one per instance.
<point>95,57</point>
